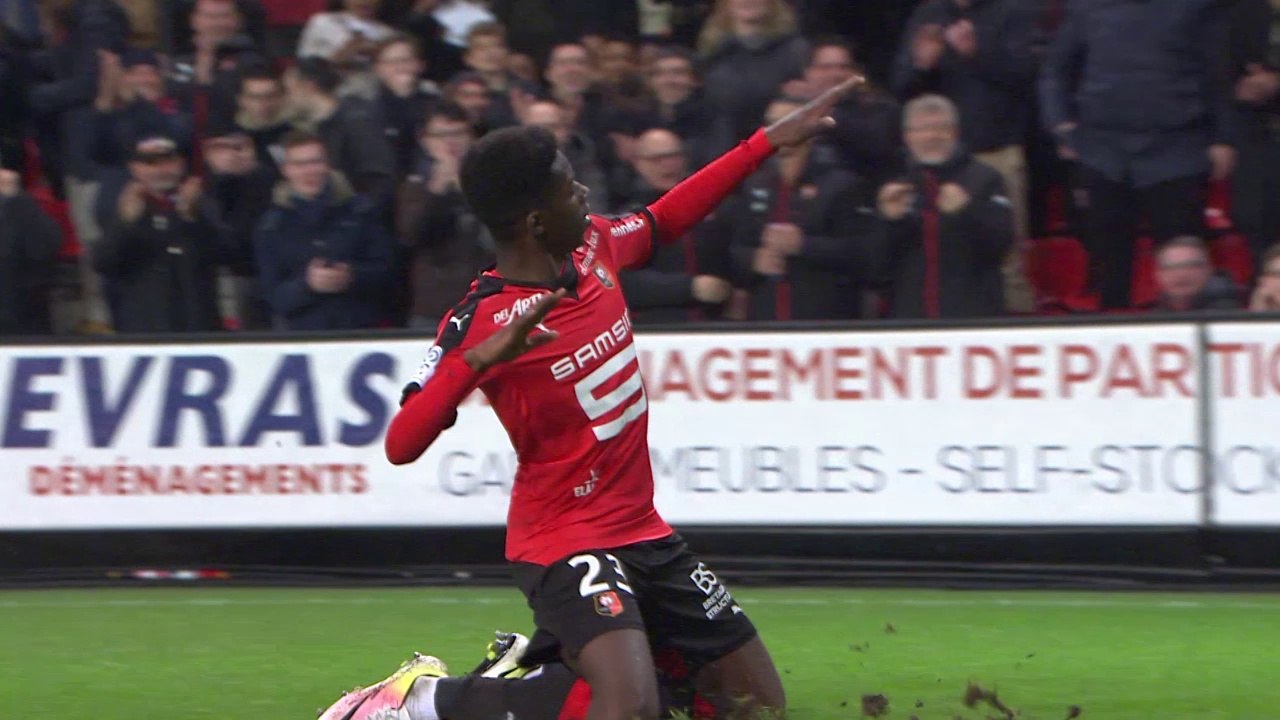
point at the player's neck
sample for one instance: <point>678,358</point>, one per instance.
<point>531,265</point>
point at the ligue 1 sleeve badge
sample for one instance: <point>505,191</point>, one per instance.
<point>603,274</point>
<point>608,604</point>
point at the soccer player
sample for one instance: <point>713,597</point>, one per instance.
<point>546,336</point>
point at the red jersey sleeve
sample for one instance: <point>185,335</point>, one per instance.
<point>632,238</point>
<point>429,404</point>
<point>432,410</point>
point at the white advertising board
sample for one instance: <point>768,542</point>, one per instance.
<point>1244,368</point>
<point>1016,426</point>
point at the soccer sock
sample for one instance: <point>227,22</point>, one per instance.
<point>421,703</point>
<point>539,696</point>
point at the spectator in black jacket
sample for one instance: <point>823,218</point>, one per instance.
<point>447,245</point>
<point>978,53</point>
<point>677,103</point>
<point>402,97</point>
<point>207,78</point>
<point>323,255</point>
<point>1138,92</point>
<point>65,80</point>
<point>1255,66</point>
<point>468,91</point>
<point>443,59</point>
<point>163,247</point>
<point>15,74</point>
<point>797,235</point>
<point>349,128</point>
<point>29,244</point>
<point>945,227</point>
<point>576,146</point>
<point>868,132</point>
<point>749,49</point>
<point>1187,281</point>
<point>487,56</point>
<point>133,103</point>
<point>240,188</point>
<point>261,115</point>
<point>686,280</point>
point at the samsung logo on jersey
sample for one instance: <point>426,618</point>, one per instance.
<point>633,225</point>
<point>601,347</point>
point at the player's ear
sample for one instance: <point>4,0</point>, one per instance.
<point>535,223</point>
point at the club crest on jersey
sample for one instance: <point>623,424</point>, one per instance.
<point>635,224</point>
<point>603,274</point>
<point>608,604</point>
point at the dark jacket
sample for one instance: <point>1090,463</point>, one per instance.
<point>241,201</point>
<point>358,149</point>
<point>1145,81</point>
<point>62,100</point>
<point>939,265</point>
<point>991,89</point>
<point>1219,293</point>
<point>400,119</point>
<point>15,74</point>
<point>742,80</point>
<point>661,292</point>
<point>339,227</point>
<point>266,140</point>
<point>29,244</point>
<point>215,103</point>
<point>692,120</point>
<point>1251,23</point>
<point>825,280</point>
<point>115,133</point>
<point>447,245</point>
<point>164,269</point>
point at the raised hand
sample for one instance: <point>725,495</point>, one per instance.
<point>803,123</point>
<point>516,338</point>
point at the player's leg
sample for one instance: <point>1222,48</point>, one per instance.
<point>692,613</point>
<point>586,604</point>
<point>743,683</point>
<point>500,688</point>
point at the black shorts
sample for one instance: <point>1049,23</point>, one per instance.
<point>658,586</point>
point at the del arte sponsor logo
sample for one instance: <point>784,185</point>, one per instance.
<point>634,224</point>
<point>518,308</point>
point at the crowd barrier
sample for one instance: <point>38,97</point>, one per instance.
<point>1147,424</point>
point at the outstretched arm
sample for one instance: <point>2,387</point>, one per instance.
<point>686,204</point>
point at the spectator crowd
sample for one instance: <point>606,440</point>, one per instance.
<point>203,165</point>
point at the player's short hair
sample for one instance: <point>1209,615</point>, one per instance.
<point>836,41</point>
<point>319,72</point>
<point>491,28</point>
<point>298,138</point>
<point>507,174</point>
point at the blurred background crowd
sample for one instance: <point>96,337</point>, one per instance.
<point>204,165</point>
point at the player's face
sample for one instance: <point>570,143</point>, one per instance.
<point>566,217</point>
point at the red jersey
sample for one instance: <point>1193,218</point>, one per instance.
<point>575,408</point>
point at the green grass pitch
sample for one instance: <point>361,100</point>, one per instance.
<point>277,654</point>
